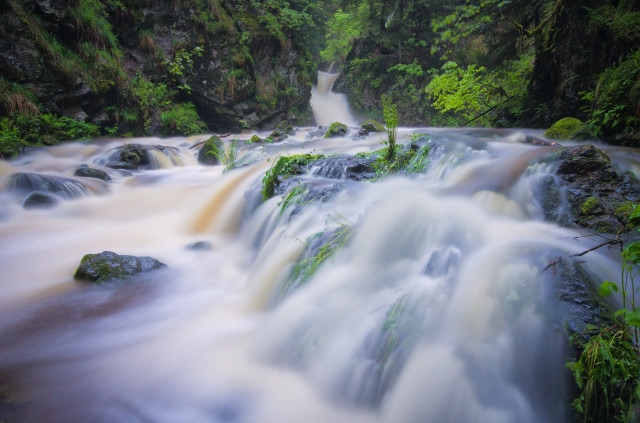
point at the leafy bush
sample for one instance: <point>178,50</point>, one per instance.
<point>182,119</point>
<point>342,32</point>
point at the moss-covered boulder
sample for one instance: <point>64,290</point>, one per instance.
<point>129,157</point>
<point>373,126</point>
<point>569,129</point>
<point>256,139</point>
<point>282,131</point>
<point>109,266</point>
<point>208,153</point>
<point>336,129</point>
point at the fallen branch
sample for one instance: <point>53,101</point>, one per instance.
<point>616,241</point>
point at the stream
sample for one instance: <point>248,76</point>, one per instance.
<point>435,308</point>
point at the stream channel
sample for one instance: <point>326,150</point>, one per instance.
<point>434,307</point>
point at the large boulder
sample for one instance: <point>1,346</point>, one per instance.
<point>336,129</point>
<point>109,266</point>
<point>599,197</point>
<point>208,154</point>
<point>569,129</point>
<point>61,187</point>
<point>373,126</point>
<point>129,157</point>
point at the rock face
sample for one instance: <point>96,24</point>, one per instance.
<point>245,76</point>
<point>109,266</point>
<point>598,196</point>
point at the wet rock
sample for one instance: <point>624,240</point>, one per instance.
<point>346,167</point>
<point>373,126</point>
<point>109,266</point>
<point>282,132</point>
<point>363,132</point>
<point>336,129</point>
<point>599,197</point>
<point>130,157</point>
<point>569,129</point>
<point>59,186</point>
<point>318,133</point>
<point>40,200</point>
<point>256,139</point>
<point>208,152</point>
<point>200,246</point>
<point>530,139</point>
<point>89,172</point>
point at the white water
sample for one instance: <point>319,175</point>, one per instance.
<point>329,107</point>
<point>436,310</point>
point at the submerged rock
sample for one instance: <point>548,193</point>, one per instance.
<point>40,200</point>
<point>89,172</point>
<point>109,266</point>
<point>336,129</point>
<point>200,246</point>
<point>346,167</point>
<point>59,186</point>
<point>569,129</point>
<point>207,154</point>
<point>282,132</point>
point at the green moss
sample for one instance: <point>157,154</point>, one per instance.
<point>285,166</point>
<point>590,206</point>
<point>336,129</point>
<point>568,129</point>
<point>373,126</point>
<point>181,119</point>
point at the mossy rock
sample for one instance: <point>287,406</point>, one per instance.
<point>135,154</point>
<point>85,171</point>
<point>569,129</point>
<point>373,126</point>
<point>109,266</point>
<point>282,131</point>
<point>256,139</point>
<point>207,154</point>
<point>336,129</point>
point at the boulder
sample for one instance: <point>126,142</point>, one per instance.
<point>109,266</point>
<point>59,186</point>
<point>282,131</point>
<point>40,200</point>
<point>336,129</point>
<point>208,152</point>
<point>85,171</point>
<point>256,139</point>
<point>373,126</point>
<point>130,157</point>
<point>569,129</point>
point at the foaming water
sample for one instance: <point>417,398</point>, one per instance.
<point>435,306</point>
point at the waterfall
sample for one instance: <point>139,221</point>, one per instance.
<point>430,301</point>
<point>327,106</point>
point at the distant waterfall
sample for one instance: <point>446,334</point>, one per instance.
<point>329,107</point>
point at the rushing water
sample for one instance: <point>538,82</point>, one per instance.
<point>436,309</point>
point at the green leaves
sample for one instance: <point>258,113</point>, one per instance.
<point>390,111</point>
<point>341,33</point>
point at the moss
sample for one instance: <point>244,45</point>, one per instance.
<point>590,206</point>
<point>373,126</point>
<point>568,129</point>
<point>255,139</point>
<point>336,129</point>
<point>285,166</point>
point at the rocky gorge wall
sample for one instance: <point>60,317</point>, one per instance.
<point>79,57</point>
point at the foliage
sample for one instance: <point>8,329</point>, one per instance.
<point>390,112</point>
<point>181,63</point>
<point>285,166</point>
<point>23,130</point>
<point>341,33</point>
<point>226,153</point>
<point>280,16</point>
<point>568,129</point>
<point>149,98</point>
<point>182,119</point>
<point>607,375</point>
<point>463,91</point>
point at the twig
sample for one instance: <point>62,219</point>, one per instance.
<point>488,110</point>
<point>610,242</point>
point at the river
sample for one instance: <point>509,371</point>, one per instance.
<point>437,308</point>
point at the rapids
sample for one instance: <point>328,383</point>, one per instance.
<point>436,309</point>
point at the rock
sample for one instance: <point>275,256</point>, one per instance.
<point>569,129</point>
<point>282,131</point>
<point>336,129</point>
<point>89,172</point>
<point>130,157</point>
<point>256,139</point>
<point>200,246</point>
<point>530,139</point>
<point>346,167</point>
<point>33,182</point>
<point>318,133</point>
<point>109,266</point>
<point>363,132</point>
<point>40,200</point>
<point>373,126</point>
<point>207,154</point>
<point>598,196</point>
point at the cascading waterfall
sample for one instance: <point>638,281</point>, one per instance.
<point>434,307</point>
<point>327,106</point>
